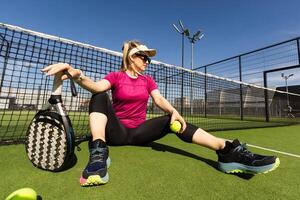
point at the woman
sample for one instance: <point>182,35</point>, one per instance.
<point>124,122</point>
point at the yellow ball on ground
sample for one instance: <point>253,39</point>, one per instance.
<point>23,194</point>
<point>175,126</point>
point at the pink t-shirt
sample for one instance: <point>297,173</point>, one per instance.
<point>130,97</point>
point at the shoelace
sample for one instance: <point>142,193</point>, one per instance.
<point>98,155</point>
<point>243,149</point>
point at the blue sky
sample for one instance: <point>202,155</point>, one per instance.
<point>231,27</point>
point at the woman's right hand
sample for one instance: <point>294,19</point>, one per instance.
<point>58,68</point>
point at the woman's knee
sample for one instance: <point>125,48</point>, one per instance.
<point>99,97</point>
<point>188,133</point>
<point>99,102</point>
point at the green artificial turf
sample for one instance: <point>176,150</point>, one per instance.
<point>168,169</point>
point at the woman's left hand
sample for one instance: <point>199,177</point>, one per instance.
<point>176,116</point>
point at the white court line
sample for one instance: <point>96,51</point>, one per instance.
<point>281,152</point>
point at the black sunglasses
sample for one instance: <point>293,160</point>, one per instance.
<point>144,57</point>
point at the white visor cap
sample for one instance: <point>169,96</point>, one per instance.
<point>144,49</point>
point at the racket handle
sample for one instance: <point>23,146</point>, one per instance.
<point>73,88</point>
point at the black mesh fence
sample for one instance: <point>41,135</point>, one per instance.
<point>210,102</point>
<point>250,67</point>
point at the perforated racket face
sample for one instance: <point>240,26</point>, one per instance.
<point>46,142</point>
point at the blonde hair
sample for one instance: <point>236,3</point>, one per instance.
<point>127,46</point>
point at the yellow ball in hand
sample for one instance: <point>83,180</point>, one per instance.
<point>23,194</point>
<point>175,126</point>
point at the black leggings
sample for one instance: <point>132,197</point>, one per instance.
<point>150,130</point>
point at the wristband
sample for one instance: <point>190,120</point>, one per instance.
<point>80,77</point>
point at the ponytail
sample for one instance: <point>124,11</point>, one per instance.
<point>127,46</point>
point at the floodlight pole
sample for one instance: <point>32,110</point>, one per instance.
<point>286,88</point>
<point>183,32</point>
<point>192,68</point>
<point>197,36</point>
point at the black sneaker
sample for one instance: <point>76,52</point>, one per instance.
<point>235,158</point>
<point>95,173</point>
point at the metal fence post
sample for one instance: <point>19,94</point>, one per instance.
<point>241,90</point>
<point>266,98</point>
<point>205,92</point>
<point>298,47</point>
<point>166,86</point>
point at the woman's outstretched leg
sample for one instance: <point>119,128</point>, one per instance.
<point>232,156</point>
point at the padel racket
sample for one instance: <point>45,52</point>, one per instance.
<point>50,141</point>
